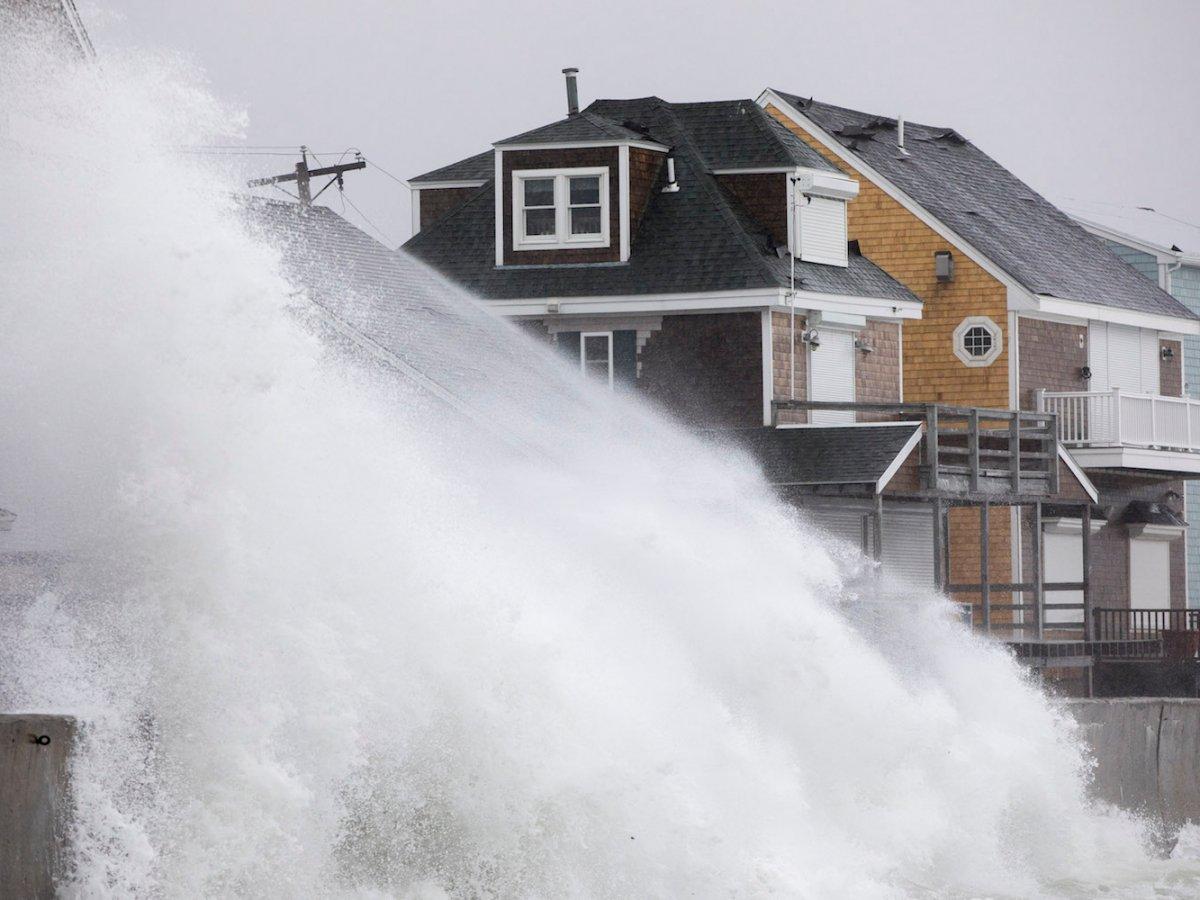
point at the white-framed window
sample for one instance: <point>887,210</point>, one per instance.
<point>978,341</point>
<point>560,208</point>
<point>596,355</point>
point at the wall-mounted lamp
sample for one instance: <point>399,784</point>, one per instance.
<point>812,337</point>
<point>862,345</point>
<point>1085,372</point>
<point>1168,352</point>
<point>943,265</point>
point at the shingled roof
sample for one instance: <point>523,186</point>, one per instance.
<point>479,167</point>
<point>579,128</point>
<point>827,455</point>
<point>1024,234</point>
<point>697,239</point>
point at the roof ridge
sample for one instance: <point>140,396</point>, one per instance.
<point>908,123</point>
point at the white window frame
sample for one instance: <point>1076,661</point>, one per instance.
<point>562,238</point>
<point>583,336</point>
<point>960,335</point>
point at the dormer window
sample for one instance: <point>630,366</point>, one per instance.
<point>565,208</point>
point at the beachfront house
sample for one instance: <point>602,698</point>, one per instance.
<point>710,258</point>
<point>1025,309</point>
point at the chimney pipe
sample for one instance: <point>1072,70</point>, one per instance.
<point>572,92</point>
<point>900,132</point>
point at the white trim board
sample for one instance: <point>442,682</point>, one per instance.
<point>708,301</point>
<point>904,454</point>
<point>1077,471</point>
<point>443,185</point>
<point>1137,458</point>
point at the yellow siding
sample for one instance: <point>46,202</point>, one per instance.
<point>903,246</point>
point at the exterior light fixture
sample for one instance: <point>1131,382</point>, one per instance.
<point>943,265</point>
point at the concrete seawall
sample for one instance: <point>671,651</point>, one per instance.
<point>1147,753</point>
<point>34,802</point>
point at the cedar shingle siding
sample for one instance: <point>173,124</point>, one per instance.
<point>644,168</point>
<point>706,369</point>
<point>764,199</point>
<point>1051,354</point>
<point>435,203</point>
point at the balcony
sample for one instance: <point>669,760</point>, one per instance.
<point>1124,430</point>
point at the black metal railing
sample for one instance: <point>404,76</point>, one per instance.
<point>1132,624</point>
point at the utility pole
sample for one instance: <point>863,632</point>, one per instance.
<point>303,176</point>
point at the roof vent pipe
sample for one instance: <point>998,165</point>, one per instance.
<point>672,184</point>
<point>900,132</point>
<point>572,92</point>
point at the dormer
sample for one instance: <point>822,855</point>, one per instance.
<point>793,193</point>
<point>572,192</point>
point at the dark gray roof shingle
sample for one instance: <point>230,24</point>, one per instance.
<point>480,167</point>
<point>739,134</point>
<point>824,455</point>
<point>694,240</point>
<point>583,126</point>
<point>1011,223</point>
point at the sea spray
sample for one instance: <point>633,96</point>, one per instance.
<point>334,637</point>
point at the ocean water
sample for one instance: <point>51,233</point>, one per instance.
<point>332,636</point>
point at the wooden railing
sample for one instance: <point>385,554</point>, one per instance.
<point>967,445</point>
<point>1135,624</point>
<point>1121,418</point>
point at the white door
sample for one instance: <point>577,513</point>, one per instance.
<point>831,375</point>
<point>1149,574</point>
<point>1063,561</point>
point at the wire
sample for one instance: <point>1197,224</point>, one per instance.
<point>387,240</point>
<point>399,181</point>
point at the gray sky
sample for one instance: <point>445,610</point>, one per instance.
<point>1089,100</point>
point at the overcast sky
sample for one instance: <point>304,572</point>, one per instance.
<point>1090,100</point>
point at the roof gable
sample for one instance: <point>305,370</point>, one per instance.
<point>1022,233</point>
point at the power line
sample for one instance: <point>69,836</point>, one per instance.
<point>399,181</point>
<point>386,240</point>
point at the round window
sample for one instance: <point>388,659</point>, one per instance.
<point>977,341</point>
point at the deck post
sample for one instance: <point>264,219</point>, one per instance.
<point>1014,451</point>
<point>1039,593</point>
<point>985,587</point>
<point>931,444</point>
<point>973,449</point>
<point>879,528</point>
<point>1089,625</point>
<point>937,543</point>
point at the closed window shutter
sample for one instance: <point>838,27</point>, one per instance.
<point>568,346</point>
<point>1124,358</point>
<point>831,376</point>
<point>908,545</point>
<point>823,231</point>
<point>624,358</point>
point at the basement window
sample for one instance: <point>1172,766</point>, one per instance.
<point>560,208</point>
<point>596,355</point>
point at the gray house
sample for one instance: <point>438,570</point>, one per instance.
<point>1167,251</point>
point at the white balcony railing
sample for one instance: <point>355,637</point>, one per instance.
<point>1118,418</point>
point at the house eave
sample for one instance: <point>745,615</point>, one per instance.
<point>774,299</point>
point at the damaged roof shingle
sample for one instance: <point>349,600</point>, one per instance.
<point>1037,244</point>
